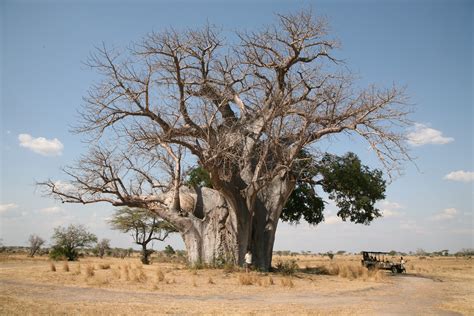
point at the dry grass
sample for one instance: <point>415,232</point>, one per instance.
<point>89,271</point>
<point>159,276</point>
<point>104,266</point>
<point>247,279</point>
<point>65,266</point>
<point>52,267</point>
<point>287,282</point>
<point>321,276</point>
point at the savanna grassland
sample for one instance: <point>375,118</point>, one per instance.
<point>315,285</point>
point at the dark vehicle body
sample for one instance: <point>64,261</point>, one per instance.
<point>379,260</point>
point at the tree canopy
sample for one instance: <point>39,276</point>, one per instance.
<point>244,110</point>
<point>68,240</point>
<point>144,227</point>
<point>354,188</point>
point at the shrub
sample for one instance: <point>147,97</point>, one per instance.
<point>288,267</point>
<point>169,251</point>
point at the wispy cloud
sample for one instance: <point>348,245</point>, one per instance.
<point>6,207</point>
<point>460,175</point>
<point>41,145</point>
<point>423,135</point>
<point>390,209</point>
<point>446,214</point>
<point>51,210</point>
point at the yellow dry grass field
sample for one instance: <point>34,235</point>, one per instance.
<point>38,286</point>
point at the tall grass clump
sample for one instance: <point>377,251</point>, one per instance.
<point>52,267</point>
<point>160,276</point>
<point>287,282</point>
<point>65,266</point>
<point>247,279</point>
<point>90,271</point>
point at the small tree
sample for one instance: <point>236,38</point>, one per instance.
<point>169,251</point>
<point>102,247</point>
<point>35,244</point>
<point>68,240</point>
<point>143,225</point>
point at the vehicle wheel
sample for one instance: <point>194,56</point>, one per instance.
<point>394,270</point>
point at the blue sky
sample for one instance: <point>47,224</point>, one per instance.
<point>426,46</point>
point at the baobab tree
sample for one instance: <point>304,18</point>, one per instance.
<point>242,110</point>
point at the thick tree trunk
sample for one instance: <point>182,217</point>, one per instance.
<point>218,229</point>
<point>268,208</point>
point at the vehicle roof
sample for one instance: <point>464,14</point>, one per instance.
<point>377,252</point>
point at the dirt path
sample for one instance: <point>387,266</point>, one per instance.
<point>407,294</point>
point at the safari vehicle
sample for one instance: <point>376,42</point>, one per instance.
<point>380,260</point>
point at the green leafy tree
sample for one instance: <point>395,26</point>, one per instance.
<point>169,251</point>
<point>144,227</point>
<point>68,240</point>
<point>352,186</point>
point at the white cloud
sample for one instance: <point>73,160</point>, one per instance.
<point>6,207</point>
<point>51,210</point>
<point>389,209</point>
<point>422,135</point>
<point>447,213</point>
<point>460,175</point>
<point>41,145</point>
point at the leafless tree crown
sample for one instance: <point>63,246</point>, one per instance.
<point>243,110</point>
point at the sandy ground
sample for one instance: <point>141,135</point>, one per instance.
<point>30,287</point>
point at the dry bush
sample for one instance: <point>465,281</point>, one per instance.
<point>90,271</point>
<point>247,279</point>
<point>52,267</point>
<point>210,281</point>
<point>160,276</point>
<point>66,266</point>
<point>287,267</point>
<point>287,282</point>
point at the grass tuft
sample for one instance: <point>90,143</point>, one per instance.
<point>287,282</point>
<point>160,276</point>
<point>247,279</point>
<point>52,267</point>
<point>90,271</point>
<point>65,266</point>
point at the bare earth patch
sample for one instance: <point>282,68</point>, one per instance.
<point>92,286</point>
